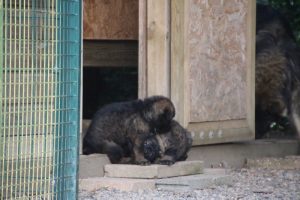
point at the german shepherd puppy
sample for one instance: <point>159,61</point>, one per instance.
<point>168,147</point>
<point>119,129</point>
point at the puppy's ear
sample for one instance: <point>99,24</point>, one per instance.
<point>158,111</point>
<point>148,113</point>
<point>169,113</point>
<point>164,108</point>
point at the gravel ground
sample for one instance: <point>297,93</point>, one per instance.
<point>248,184</point>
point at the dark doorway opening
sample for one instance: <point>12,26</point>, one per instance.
<point>105,85</point>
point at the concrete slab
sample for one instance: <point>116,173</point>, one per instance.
<point>154,171</point>
<point>220,155</point>
<point>288,162</point>
<point>92,165</point>
<point>193,182</point>
<point>123,184</point>
<point>234,154</point>
<point>211,179</point>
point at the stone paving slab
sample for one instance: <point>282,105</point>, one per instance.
<point>286,163</point>
<point>193,182</point>
<point>153,171</point>
<point>211,179</point>
<point>92,165</point>
<point>124,184</point>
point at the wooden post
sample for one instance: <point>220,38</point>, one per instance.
<point>158,37</point>
<point>179,66</point>
<point>154,48</point>
<point>142,66</point>
<point>251,66</point>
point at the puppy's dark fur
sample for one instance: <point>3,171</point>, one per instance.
<point>277,72</point>
<point>152,150</point>
<point>119,129</point>
<point>168,147</point>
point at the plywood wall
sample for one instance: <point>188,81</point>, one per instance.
<point>110,19</point>
<point>217,32</point>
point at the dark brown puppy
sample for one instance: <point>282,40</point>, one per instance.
<point>277,74</point>
<point>168,147</point>
<point>119,129</point>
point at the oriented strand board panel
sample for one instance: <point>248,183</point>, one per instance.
<point>217,32</point>
<point>110,19</point>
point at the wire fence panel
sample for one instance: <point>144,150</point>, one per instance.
<point>39,98</point>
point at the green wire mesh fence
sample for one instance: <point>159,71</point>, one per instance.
<point>39,98</point>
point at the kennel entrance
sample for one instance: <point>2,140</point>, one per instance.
<point>202,55</point>
<point>110,54</point>
<point>39,98</point>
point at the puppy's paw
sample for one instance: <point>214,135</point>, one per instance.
<point>166,162</point>
<point>143,162</point>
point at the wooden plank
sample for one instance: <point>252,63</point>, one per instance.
<point>158,47</point>
<point>214,136</point>
<point>251,65</point>
<point>17,23</point>
<point>28,88</point>
<point>142,88</point>
<point>110,53</point>
<point>29,103</point>
<point>234,124</point>
<point>110,19</point>
<point>29,54</point>
<point>27,176</point>
<point>27,4</point>
<point>35,167</point>
<point>219,132</point>
<point>179,66</point>
<point>28,119</point>
<point>28,147</point>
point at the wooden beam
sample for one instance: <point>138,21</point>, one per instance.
<point>158,47</point>
<point>251,20</point>
<point>110,53</point>
<point>179,65</point>
<point>142,91</point>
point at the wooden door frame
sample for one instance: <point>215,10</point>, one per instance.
<point>154,48</point>
<point>178,68</point>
